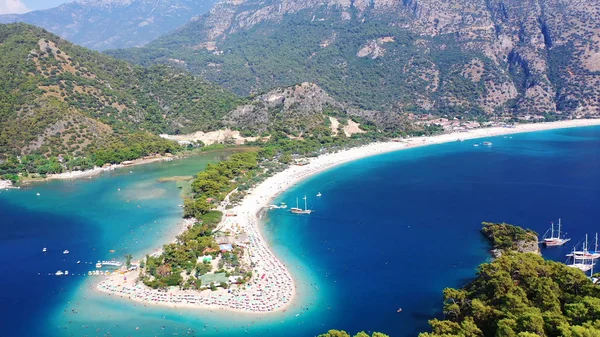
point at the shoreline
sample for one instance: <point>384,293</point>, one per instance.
<point>279,287</point>
<point>71,175</point>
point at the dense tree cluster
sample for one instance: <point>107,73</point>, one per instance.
<point>111,151</point>
<point>178,265</point>
<point>504,236</point>
<point>521,294</point>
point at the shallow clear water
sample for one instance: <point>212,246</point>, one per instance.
<point>389,231</point>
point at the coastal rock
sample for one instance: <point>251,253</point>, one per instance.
<point>5,184</point>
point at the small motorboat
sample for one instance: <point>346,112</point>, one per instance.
<point>59,273</point>
<point>319,194</point>
<point>44,249</point>
<point>66,272</point>
<point>78,262</point>
<point>99,264</point>
<point>37,194</point>
<point>399,310</point>
<point>65,252</point>
<point>475,144</point>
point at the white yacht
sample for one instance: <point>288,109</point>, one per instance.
<point>59,273</point>
<point>65,252</point>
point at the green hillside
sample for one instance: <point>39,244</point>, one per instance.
<point>273,54</point>
<point>60,99</point>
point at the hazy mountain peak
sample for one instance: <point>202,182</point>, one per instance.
<point>111,24</point>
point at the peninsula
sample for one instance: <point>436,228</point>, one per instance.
<point>273,287</point>
<point>519,294</point>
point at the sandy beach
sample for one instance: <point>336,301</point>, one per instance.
<point>272,287</point>
<point>98,170</point>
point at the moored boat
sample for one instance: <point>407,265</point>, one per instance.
<point>298,210</point>
<point>585,253</point>
<point>554,241</point>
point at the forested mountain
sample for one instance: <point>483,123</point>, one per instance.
<point>58,98</point>
<point>108,24</point>
<point>467,57</point>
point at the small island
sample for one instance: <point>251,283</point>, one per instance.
<point>504,237</point>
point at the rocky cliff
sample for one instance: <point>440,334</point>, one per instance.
<point>304,108</point>
<point>464,57</point>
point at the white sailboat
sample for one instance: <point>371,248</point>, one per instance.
<point>298,210</point>
<point>582,262</point>
<point>555,241</point>
<point>586,253</point>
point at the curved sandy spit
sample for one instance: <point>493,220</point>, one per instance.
<point>276,290</point>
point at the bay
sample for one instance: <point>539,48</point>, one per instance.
<point>388,232</point>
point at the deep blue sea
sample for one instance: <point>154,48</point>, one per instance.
<point>388,232</point>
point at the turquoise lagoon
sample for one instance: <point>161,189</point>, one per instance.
<point>389,231</point>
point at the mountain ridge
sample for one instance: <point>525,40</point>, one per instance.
<point>495,58</point>
<point>62,99</point>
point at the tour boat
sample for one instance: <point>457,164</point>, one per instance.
<point>582,265</point>
<point>65,252</point>
<point>554,241</point>
<point>298,210</point>
<point>59,273</point>
<point>585,253</point>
